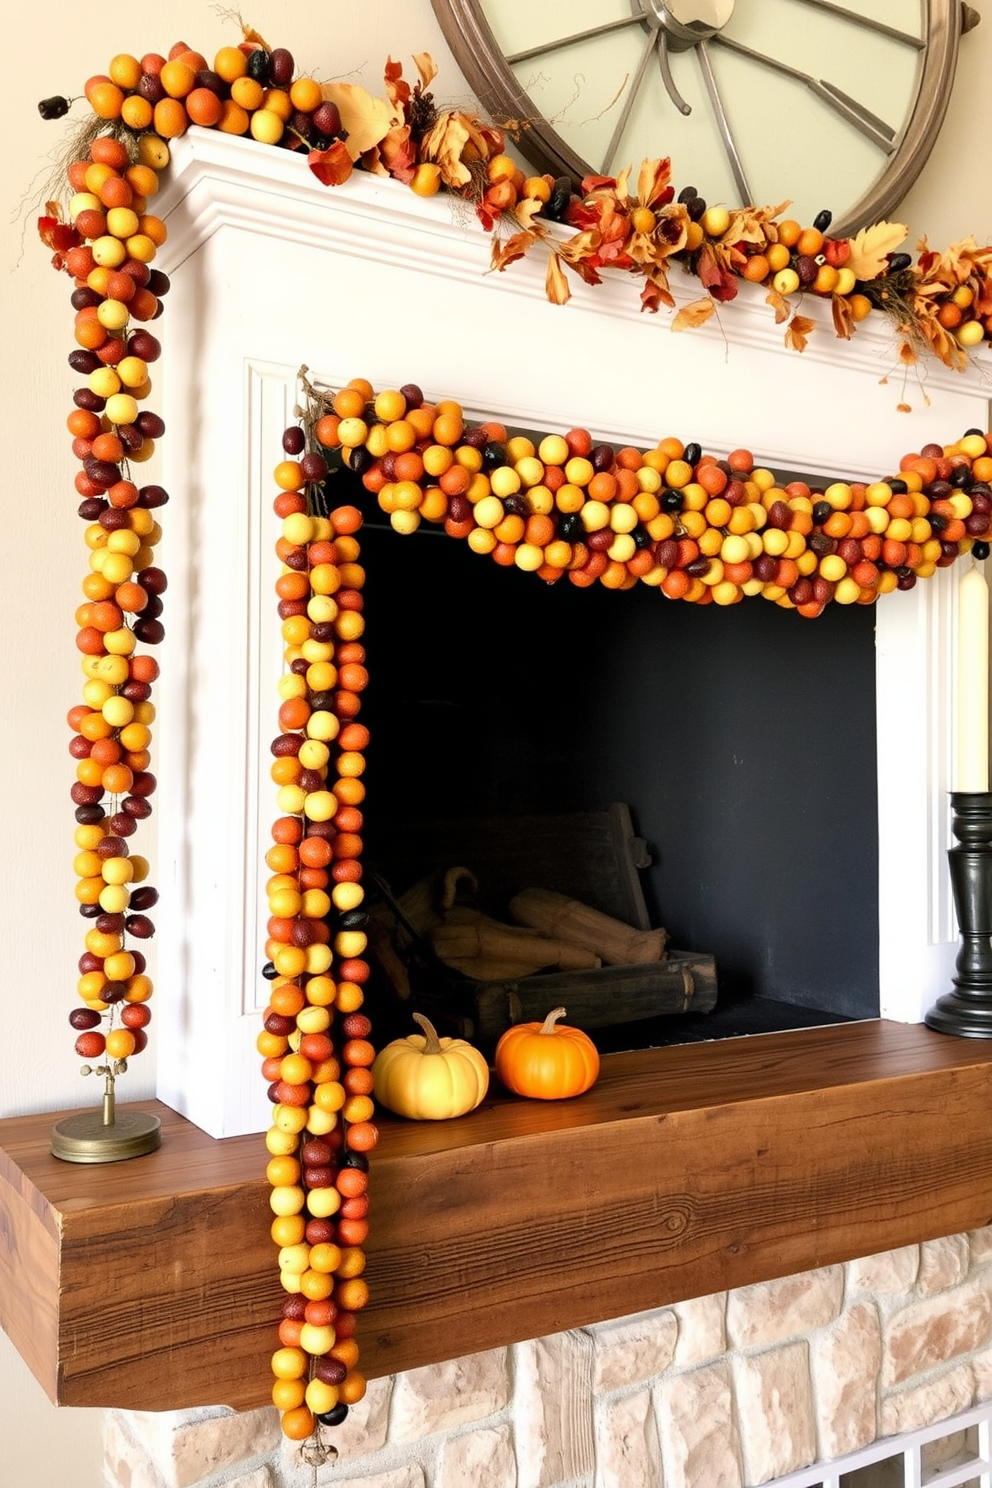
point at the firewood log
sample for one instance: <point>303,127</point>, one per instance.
<point>567,919</point>
<point>424,902</point>
<point>490,939</point>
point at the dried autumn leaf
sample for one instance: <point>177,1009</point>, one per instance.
<point>395,155</point>
<point>870,248</point>
<point>502,254</point>
<point>696,314</point>
<point>907,354</point>
<point>445,143</point>
<point>779,304</point>
<point>753,224</point>
<point>580,246</point>
<point>526,209</point>
<point>555,284</point>
<point>426,66</point>
<point>56,234</point>
<point>397,87</point>
<point>333,165</point>
<point>929,334</point>
<point>654,182</point>
<point>653,297</point>
<point>250,34</point>
<point>367,120</point>
<point>715,274</point>
<point>843,316</point>
<point>800,328</point>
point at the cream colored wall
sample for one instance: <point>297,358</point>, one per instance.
<point>56,48</point>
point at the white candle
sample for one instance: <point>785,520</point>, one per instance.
<point>973,683</point>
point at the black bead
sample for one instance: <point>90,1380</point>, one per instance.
<point>258,66</point>
<point>561,194</point>
<point>334,1416</point>
<point>980,550</point>
<point>54,108</point>
<point>360,460</point>
<point>494,454</point>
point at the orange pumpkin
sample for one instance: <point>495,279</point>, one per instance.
<point>547,1061</point>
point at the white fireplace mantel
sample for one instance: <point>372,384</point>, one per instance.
<point>271,271</point>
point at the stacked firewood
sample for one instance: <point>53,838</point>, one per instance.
<point>547,932</point>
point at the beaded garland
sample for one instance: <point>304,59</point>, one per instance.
<point>697,527</point>
<point>115,291</point>
<point>315,1039</point>
<point>694,526</point>
<point>940,305</point>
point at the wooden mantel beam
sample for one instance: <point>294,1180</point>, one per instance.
<point>152,1283</point>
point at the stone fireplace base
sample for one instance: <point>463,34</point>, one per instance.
<point>726,1391</point>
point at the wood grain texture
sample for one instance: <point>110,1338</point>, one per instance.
<point>151,1284</point>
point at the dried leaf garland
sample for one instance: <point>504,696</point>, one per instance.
<point>632,223</point>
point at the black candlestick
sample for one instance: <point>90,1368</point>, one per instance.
<point>967,1011</point>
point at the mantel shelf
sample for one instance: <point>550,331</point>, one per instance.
<point>151,1284</point>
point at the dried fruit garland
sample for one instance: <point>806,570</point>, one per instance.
<point>941,305</point>
<point>115,291</point>
<point>315,1040</point>
<point>696,527</point>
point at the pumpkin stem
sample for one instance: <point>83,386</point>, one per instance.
<point>548,1026</point>
<point>433,1045</point>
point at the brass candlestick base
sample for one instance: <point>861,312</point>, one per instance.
<point>967,1011</point>
<point>107,1135</point>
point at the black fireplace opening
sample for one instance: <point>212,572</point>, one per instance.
<point>742,739</point>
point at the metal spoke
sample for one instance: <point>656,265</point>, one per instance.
<point>614,145</point>
<point>852,105</point>
<point>564,41</point>
<point>868,23</point>
<point>865,122</point>
<point>723,124</point>
<point>664,62</point>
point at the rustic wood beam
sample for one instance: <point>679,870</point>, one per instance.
<point>151,1283</point>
